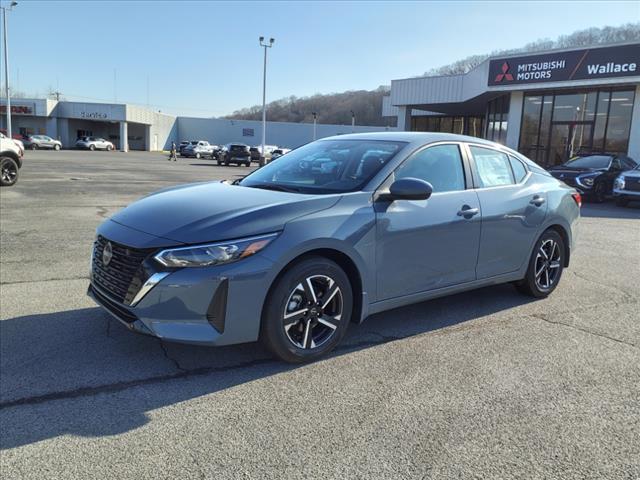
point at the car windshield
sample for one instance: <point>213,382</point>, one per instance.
<point>326,166</point>
<point>592,161</point>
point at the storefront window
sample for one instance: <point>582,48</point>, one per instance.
<point>474,126</point>
<point>619,125</point>
<point>460,125</point>
<point>497,119</point>
<point>556,127</point>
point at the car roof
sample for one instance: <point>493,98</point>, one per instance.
<point>417,138</point>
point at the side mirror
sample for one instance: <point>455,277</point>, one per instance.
<point>409,189</point>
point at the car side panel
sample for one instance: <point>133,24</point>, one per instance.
<point>510,225</point>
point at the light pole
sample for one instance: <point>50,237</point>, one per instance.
<point>6,64</point>
<point>264,96</point>
<point>315,118</point>
<point>353,121</point>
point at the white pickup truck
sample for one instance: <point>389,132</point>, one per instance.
<point>10,160</point>
<point>199,149</point>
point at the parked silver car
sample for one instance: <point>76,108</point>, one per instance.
<point>36,142</point>
<point>626,187</point>
<point>199,149</point>
<point>94,143</point>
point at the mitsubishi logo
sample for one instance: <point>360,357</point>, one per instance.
<point>107,253</point>
<point>504,75</point>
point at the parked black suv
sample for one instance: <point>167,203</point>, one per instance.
<point>593,175</point>
<point>237,153</point>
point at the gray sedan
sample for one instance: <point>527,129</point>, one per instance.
<point>329,234</point>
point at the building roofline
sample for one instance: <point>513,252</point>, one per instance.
<point>522,54</point>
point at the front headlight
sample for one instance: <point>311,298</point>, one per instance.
<point>587,180</point>
<point>213,253</point>
<point>619,183</point>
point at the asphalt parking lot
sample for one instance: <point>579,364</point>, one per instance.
<point>488,384</point>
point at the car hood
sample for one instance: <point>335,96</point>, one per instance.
<point>206,212</point>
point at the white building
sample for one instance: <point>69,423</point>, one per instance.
<point>145,129</point>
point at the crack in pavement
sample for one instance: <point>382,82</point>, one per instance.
<point>181,374</point>
<point>595,282</point>
<point>544,318</point>
<point>165,352</point>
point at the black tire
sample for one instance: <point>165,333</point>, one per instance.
<point>320,323</point>
<point>599,192</point>
<point>247,164</point>
<point>219,162</point>
<point>34,146</point>
<point>8,171</point>
<point>622,202</point>
<point>109,148</point>
<point>533,286</point>
<point>56,147</point>
<point>92,147</point>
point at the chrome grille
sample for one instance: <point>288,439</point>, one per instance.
<point>121,277</point>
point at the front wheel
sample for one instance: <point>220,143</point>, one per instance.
<point>197,156</point>
<point>34,147</point>
<point>8,171</point>
<point>599,193</point>
<point>92,147</point>
<point>307,311</point>
<point>109,148</point>
<point>545,266</point>
<point>56,147</point>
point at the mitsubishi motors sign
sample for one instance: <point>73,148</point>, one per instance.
<point>585,64</point>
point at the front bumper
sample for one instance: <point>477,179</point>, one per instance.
<point>219,305</point>
<point>628,194</point>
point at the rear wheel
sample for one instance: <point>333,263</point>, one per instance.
<point>308,311</point>
<point>109,148</point>
<point>92,147</point>
<point>8,171</point>
<point>545,266</point>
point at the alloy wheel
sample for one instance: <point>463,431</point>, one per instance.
<point>547,264</point>
<point>9,173</point>
<point>313,312</point>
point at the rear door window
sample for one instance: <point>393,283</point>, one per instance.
<point>492,166</point>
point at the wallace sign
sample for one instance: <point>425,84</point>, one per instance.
<point>586,64</point>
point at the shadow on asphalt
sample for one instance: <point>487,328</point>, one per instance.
<point>610,210</point>
<point>109,373</point>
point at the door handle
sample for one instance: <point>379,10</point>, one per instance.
<point>467,211</point>
<point>537,201</point>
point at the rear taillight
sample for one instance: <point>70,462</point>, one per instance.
<point>578,198</point>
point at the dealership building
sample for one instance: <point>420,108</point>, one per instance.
<point>144,129</point>
<point>549,105</point>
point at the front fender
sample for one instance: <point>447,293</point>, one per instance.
<point>351,226</point>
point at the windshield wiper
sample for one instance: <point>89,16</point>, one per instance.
<point>275,187</point>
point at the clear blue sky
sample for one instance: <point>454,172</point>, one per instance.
<point>203,59</point>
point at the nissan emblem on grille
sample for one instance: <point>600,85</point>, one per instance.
<point>107,253</point>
